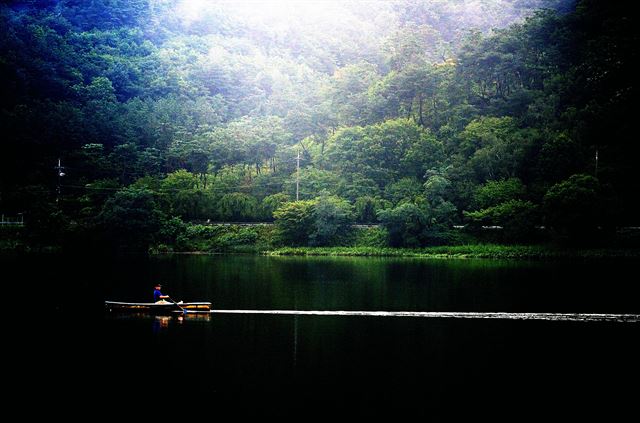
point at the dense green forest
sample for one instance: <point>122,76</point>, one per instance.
<point>131,123</point>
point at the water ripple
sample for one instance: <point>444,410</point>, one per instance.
<point>576,317</point>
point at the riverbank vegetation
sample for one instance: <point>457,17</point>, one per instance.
<point>137,125</point>
<point>491,251</point>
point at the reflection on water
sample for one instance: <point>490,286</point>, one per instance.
<point>306,363</point>
<point>566,317</point>
<point>391,284</point>
<point>160,322</point>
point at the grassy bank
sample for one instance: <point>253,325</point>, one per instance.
<point>369,242</point>
<point>363,242</point>
<point>462,251</point>
<point>221,239</point>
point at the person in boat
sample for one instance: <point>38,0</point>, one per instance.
<point>158,295</point>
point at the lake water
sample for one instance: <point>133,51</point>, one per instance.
<point>308,366</point>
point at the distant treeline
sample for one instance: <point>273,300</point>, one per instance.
<point>415,115</point>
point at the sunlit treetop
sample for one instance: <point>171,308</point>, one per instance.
<point>279,12</point>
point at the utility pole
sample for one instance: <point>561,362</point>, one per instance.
<point>60,172</point>
<point>298,176</point>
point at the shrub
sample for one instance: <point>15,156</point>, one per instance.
<point>576,207</point>
<point>332,219</point>
<point>406,225</point>
<point>295,221</point>
<point>377,237</point>
<point>516,217</point>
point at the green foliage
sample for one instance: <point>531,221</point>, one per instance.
<point>575,207</point>
<point>225,238</point>
<point>403,190</point>
<point>253,141</point>
<point>517,217</point>
<point>97,192</point>
<point>131,218</point>
<point>332,219</point>
<point>377,152</point>
<point>348,92</point>
<point>295,221</point>
<point>406,224</point>
<point>186,199</point>
<point>231,179</point>
<point>272,202</point>
<point>366,209</point>
<point>238,207</point>
<point>408,111</point>
<point>443,214</point>
<point>436,188</point>
<point>376,237</point>
<point>493,251</point>
<point>424,154</point>
<point>405,47</point>
<point>171,230</point>
<point>312,182</point>
<point>492,147</point>
<point>500,191</point>
<point>559,158</point>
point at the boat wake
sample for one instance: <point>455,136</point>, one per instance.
<point>575,317</point>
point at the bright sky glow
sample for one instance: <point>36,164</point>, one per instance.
<point>189,10</point>
<point>267,10</point>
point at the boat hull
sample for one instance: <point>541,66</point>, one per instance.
<point>158,308</point>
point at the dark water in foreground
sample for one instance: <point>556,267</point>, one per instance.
<point>306,366</point>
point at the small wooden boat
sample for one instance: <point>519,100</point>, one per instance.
<point>161,307</point>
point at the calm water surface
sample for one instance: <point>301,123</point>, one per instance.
<point>310,366</point>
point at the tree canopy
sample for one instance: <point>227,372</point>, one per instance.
<point>415,114</point>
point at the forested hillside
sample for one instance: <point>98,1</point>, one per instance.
<point>419,116</point>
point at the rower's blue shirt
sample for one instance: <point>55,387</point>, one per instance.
<point>156,295</point>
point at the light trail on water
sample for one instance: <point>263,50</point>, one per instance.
<point>576,317</point>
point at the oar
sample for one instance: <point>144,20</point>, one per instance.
<point>174,301</point>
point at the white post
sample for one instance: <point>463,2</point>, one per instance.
<point>298,176</point>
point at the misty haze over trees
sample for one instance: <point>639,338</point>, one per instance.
<point>418,116</point>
